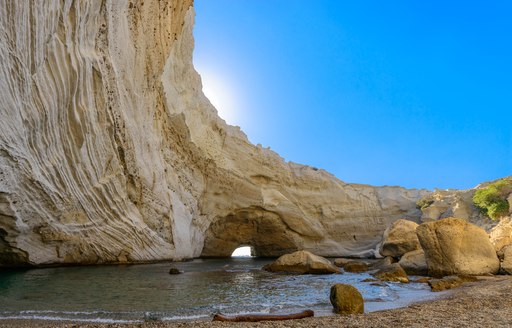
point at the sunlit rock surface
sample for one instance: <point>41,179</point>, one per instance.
<point>400,238</point>
<point>454,246</point>
<point>110,152</point>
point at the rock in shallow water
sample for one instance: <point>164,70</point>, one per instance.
<point>445,283</point>
<point>174,271</point>
<point>393,273</point>
<point>355,267</point>
<point>346,299</point>
<point>302,262</point>
<point>449,282</point>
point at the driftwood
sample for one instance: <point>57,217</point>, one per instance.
<point>263,317</point>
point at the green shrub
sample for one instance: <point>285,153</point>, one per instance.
<point>492,201</point>
<point>424,202</point>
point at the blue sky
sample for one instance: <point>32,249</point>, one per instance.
<point>410,93</point>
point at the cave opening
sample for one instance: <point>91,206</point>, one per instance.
<point>262,231</point>
<point>244,251</point>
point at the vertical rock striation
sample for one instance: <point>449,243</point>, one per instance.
<point>110,152</point>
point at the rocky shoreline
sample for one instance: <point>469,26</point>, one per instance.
<point>478,304</point>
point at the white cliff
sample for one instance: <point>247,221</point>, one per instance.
<point>110,152</point>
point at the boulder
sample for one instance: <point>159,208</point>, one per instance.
<point>449,282</point>
<point>454,246</point>
<point>445,283</point>
<point>414,262</point>
<point>346,299</point>
<point>393,273</point>
<point>355,266</point>
<point>501,235</point>
<point>174,271</point>
<point>302,262</point>
<point>422,280</point>
<point>341,262</point>
<point>506,265</point>
<point>370,280</point>
<point>399,239</point>
<point>382,263</point>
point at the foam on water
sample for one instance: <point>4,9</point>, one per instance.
<point>58,318</point>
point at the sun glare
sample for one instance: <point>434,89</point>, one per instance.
<point>221,97</point>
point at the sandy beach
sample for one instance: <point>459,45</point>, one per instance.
<point>484,303</point>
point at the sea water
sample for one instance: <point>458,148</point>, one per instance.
<point>136,293</point>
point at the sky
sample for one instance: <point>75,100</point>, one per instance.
<point>409,93</point>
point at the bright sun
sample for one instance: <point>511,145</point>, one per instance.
<point>220,95</point>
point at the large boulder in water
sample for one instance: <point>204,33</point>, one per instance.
<point>302,262</point>
<point>414,262</point>
<point>399,239</point>
<point>454,246</point>
<point>346,299</point>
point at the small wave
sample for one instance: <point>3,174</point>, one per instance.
<point>185,317</point>
<point>264,311</point>
<point>56,318</point>
<point>61,312</point>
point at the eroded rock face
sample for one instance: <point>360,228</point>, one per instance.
<point>110,152</point>
<point>399,239</point>
<point>454,246</point>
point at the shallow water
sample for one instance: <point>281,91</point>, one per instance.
<point>147,292</point>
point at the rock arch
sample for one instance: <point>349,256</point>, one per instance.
<point>253,226</point>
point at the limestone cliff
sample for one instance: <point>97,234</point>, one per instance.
<point>110,152</point>
<point>442,204</point>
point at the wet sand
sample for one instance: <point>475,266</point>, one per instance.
<point>486,303</point>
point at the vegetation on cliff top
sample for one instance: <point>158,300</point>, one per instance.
<point>424,202</point>
<point>492,200</point>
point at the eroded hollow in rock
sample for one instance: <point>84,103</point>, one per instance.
<point>261,229</point>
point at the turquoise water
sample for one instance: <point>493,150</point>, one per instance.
<point>136,293</point>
